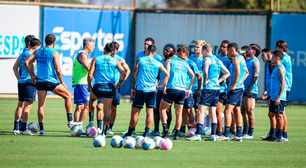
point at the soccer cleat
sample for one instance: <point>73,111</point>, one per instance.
<point>90,124</point>
<point>180,134</point>
<point>27,132</point>
<point>83,132</point>
<point>16,132</point>
<point>265,136</point>
<point>110,131</point>
<point>154,133</point>
<point>184,134</point>
<point>176,138</point>
<point>73,123</point>
<point>218,138</point>
<point>232,137</point>
<point>211,138</point>
<point>246,136</point>
<point>133,132</point>
<point>165,133</point>
<point>42,133</point>
<point>224,138</point>
<point>237,139</point>
<point>275,139</point>
<point>285,139</point>
<point>99,131</point>
<point>194,138</point>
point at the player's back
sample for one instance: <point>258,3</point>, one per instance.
<point>213,73</point>
<point>147,74</point>
<point>105,69</point>
<point>248,80</point>
<point>45,65</point>
<point>243,67</point>
<point>178,74</point>
<point>24,75</point>
<point>276,85</point>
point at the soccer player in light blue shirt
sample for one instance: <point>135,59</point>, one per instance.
<point>144,88</point>
<point>176,91</point>
<point>251,89</point>
<point>281,45</point>
<point>148,41</point>
<point>238,72</point>
<point>212,67</point>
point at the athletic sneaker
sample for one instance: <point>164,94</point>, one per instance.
<point>275,139</point>
<point>218,138</point>
<point>211,138</point>
<point>110,131</point>
<point>42,133</point>
<point>194,138</point>
<point>246,136</point>
<point>16,132</point>
<point>180,134</point>
<point>285,139</point>
<point>265,136</point>
<point>154,133</point>
<point>133,132</point>
<point>184,134</point>
<point>232,137</point>
<point>224,138</point>
<point>99,131</point>
<point>269,137</point>
<point>176,138</point>
<point>73,123</point>
<point>28,132</point>
<point>237,139</point>
<point>90,124</point>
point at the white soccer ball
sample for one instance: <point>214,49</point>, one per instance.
<point>129,142</point>
<point>99,141</point>
<point>91,132</point>
<point>116,141</point>
<point>76,131</point>
<point>148,143</point>
<point>138,140</point>
<point>157,141</point>
<point>33,127</point>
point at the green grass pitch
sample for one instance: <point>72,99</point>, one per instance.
<point>59,149</point>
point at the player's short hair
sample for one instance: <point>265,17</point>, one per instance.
<point>109,47</point>
<point>116,45</point>
<point>278,54</point>
<point>226,42</point>
<point>28,38</point>
<point>87,40</point>
<point>171,46</point>
<point>183,48</point>
<point>244,47</point>
<point>282,44</point>
<point>233,45</point>
<point>207,47</point>
<point>35,42</point>
<point>200,42</point>
<point>152,49</point>
<point>257,48</point>
<point>50,38</point>
<point>266,50</point>
<point>150,39</point>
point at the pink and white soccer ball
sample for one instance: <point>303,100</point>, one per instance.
<point>91,132</point>
<point>165,144</point>
<point>191,132</point>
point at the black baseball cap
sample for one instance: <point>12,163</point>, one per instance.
<point>28,38</point>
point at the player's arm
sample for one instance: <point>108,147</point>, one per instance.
<point>84,61</point>
<point>164,71</point>
<point>122,72</point>
<point>31,59</point>
<point>255,67</point>
<point>58,68</point>
<point>167,64</point>
<point>91,73</point>
<point>236,62</point>
<point>206,64</point>
<point>198,91</point>
<point>192,77</point>
<point>134,77</point>
<point>225,74</point>
<point>126,67</point>
<point>281,74</point>
<point>16,67</point>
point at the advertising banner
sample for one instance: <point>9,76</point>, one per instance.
<point>291,28</point>
<point>17,21</point>
<point>70,26</point>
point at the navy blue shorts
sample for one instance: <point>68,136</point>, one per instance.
<point>159,96</point>
<point>144,97</point>
<point>176,96</point>
<point>277,109</point>
<point>253,95</point>
<point>105,90</point>
<point>222,98</point>
<point>49,86</point>
<point>195,101</point>
<point>209,97</point>
<point>189,102</point>
<point>116,99</point>
<point>26,92</point>
<point>81,95</point>
<point>234,97</point>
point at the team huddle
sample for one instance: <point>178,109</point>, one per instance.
<point>201,82</point>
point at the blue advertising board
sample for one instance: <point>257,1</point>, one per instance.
<point>291,28</point>
<point>70,26</point>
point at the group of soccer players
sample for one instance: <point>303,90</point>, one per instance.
<point>201,81</point>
